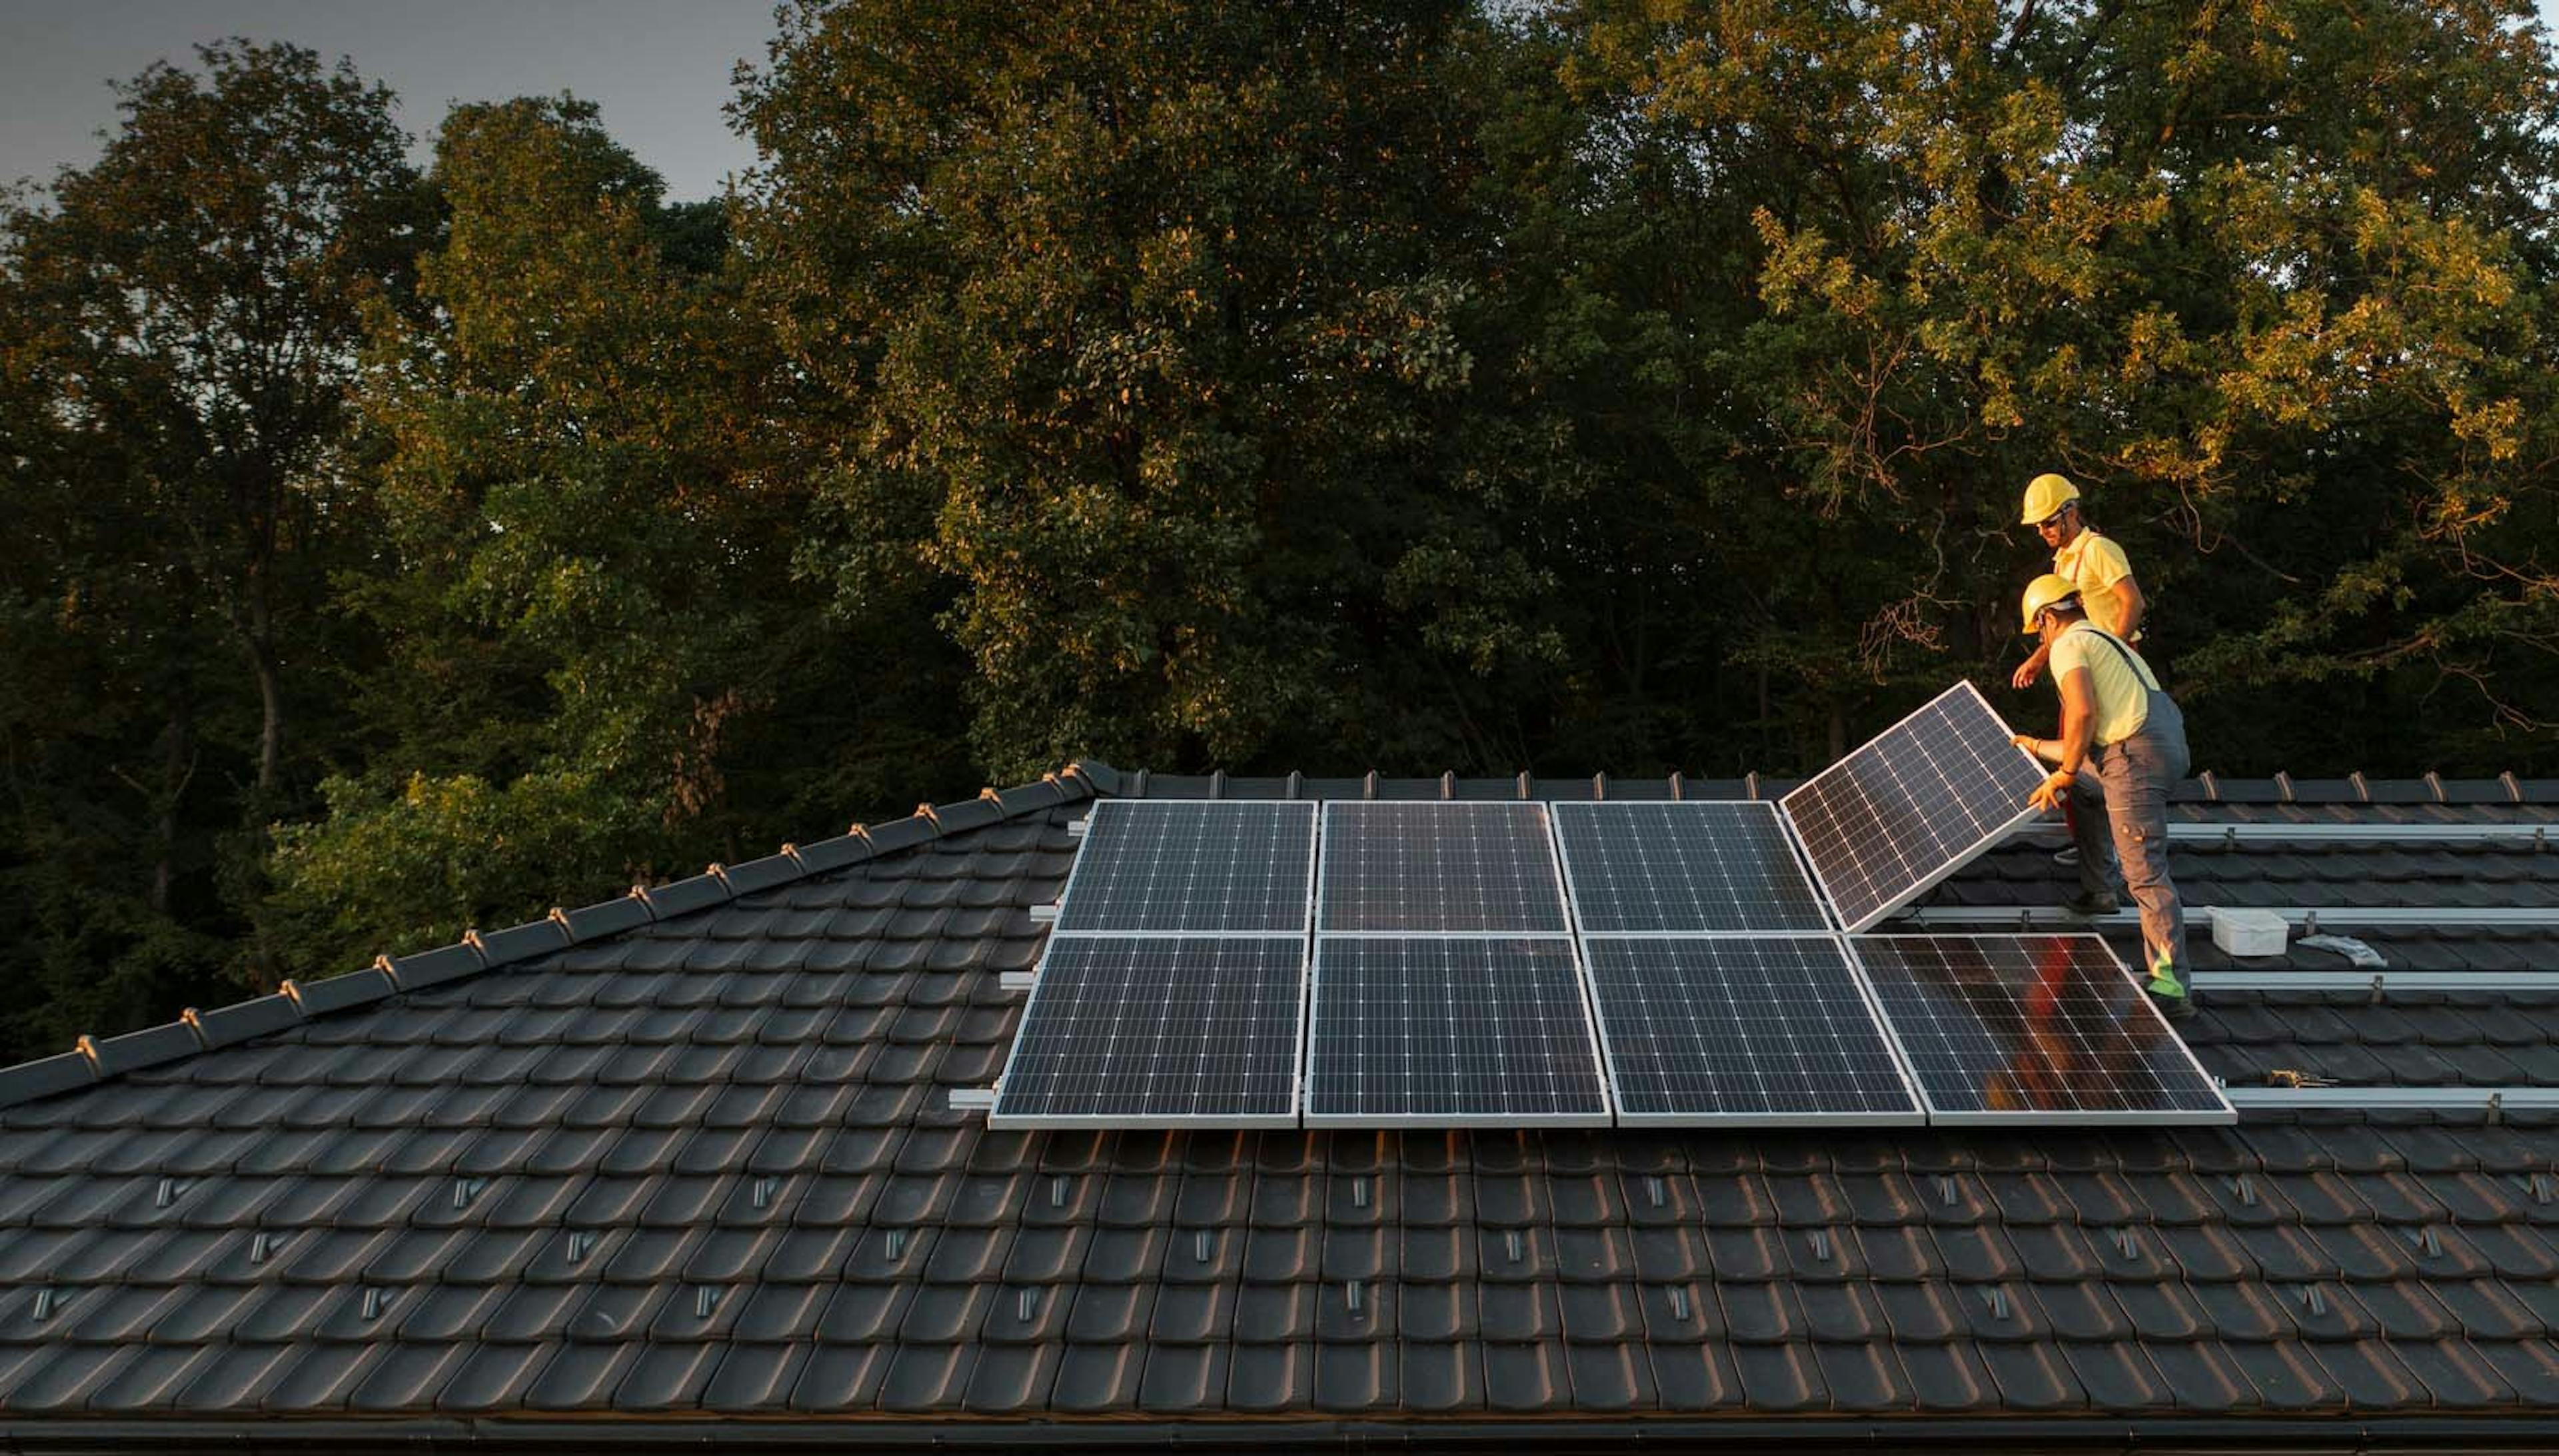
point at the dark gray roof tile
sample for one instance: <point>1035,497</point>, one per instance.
<point>580,1374</point>
<point>412,1377</point>
<point>840,1377</point>
<point>116,1056</point>
<point>867,1312</point>
<point>231,1025</point>
<point>1781,1378</point>
<point>966,814</point>
<point>155,1379</point>
<point>1097,1378</point>
<point>2031,1376</point>
<point>809,1036</point>
<point>900,834</point>
<point>1519,1312</point>
<point>432,968</point>
<point>927,1377</point>
<point>340,993</point>
<point>668,1376</point>
<point>686,897</point>
<point>1266,1313</point>
<point>57,1378</point>
<point>840,853</point>
<point>1009,1380</point>
<point>1268,1377</point>
<point>1190,1314</point>
<point>753,1377</point>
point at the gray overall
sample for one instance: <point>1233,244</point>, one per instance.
<point>2128,804</point>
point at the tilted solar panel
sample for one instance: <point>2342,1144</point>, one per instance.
<point>1707,866</point>
<point>1448,1033</point>
<point>1437,867</point>
<point>1159,1032</point>
<point>2032,1029</point>
<point>1913,806</point>
<point>1190,866</point>
<point>1742,1029</point>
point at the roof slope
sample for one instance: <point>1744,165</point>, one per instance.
<point>702,1166</point>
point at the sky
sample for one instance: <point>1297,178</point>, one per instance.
<point>659,68</point>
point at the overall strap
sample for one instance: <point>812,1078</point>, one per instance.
<point>2142,672</point>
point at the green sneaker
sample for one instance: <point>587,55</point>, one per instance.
<point>2170,997</point>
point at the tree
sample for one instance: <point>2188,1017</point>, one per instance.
<point>177,324</point>
<point>1139,328</point>
<point>599,667</point>
<point>2217,265</point>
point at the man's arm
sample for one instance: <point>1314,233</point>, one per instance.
<point>2128,604</point>
<point>2032,667</point>
<point>2079,725</point>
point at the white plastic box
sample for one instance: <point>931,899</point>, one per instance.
<point>2249,931</point>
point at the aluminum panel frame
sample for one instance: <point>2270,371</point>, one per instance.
<point>1930,882</point>
<point>1605,1116</point>
<point>1120,806</point>
<point>2224,1116</point>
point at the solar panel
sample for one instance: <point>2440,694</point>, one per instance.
<point>1440,867</point>
<point>1448,1033</point>
<point>1171,866</point>
<point>1913,805</point>
<point>2047,1028</point>
<point>1684,867</point>
<point>1731,1029</point>
<point>1129,1030</point>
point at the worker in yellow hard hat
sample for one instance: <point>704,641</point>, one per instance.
<point>2089,560</point>
<point>2121,729</point>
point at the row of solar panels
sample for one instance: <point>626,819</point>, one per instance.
<point>1445,964</point>
<point>1373,1027</point>
<point>1878,828</point>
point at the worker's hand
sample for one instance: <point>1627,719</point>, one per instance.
<point>2024,742</point>
<point>2047,795</point>
<point>2026,672</point>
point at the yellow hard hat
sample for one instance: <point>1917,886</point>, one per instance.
<point>2041,593</point>
<point>2047,493</point>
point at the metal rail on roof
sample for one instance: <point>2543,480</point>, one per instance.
<point>2286,832</point>
<point>2378,983</point>
<point>2053,917</point>
<point>2489,1100</point>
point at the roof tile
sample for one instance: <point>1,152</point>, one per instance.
<point>646,1083</point>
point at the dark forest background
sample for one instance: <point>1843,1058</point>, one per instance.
<point>1400,385</point>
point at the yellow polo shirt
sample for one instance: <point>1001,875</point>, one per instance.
<point>2095,565</point>
<point>2120,694</point>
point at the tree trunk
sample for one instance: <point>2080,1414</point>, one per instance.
<point>270,738</point>
<point>177,766</point>
<point>259,639</point>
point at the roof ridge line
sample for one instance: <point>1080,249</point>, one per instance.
<point>92,1059</point>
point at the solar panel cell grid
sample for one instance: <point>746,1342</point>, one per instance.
<point>1742,1029</point>
<point>1191,867</point>
<point>1450,1032</point>
<point>1911,806</point>
<point>1157,1031</point>
<point>1684,867</point>
<point>2032,1029</point>
<point>1440,867</point>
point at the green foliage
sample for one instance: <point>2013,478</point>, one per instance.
<point>1623,385</point>
<point>1146,328</point>
<point>593,638</point>
<point>2219,265</point>
<point>176,329</point>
